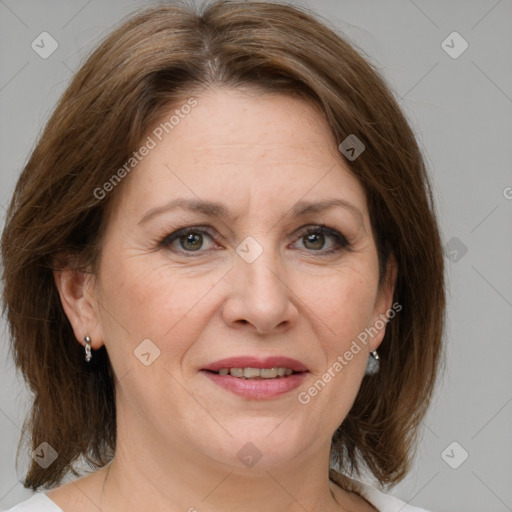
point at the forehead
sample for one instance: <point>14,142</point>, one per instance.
<point>243,147</point>
<point>243,124</point>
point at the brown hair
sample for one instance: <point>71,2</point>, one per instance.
<point>152,61</point>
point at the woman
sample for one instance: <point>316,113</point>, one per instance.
<point>223,273</point>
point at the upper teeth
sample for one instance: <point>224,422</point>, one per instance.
<point>250,373</point>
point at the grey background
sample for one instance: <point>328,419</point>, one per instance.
<point>461,110</point>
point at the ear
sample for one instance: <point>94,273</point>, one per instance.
<point>76,290</point>
<point>384,303</point>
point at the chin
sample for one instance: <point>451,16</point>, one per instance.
<point>260,443</point>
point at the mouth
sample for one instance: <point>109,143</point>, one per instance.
<point>256,373</point>
<point>256,378</point>
<point>250,367</point>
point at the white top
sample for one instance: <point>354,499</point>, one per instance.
<point>382,502</point>
<point>39,502</point>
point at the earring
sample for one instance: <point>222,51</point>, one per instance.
<point>372,367</point>
<point>88,354</point>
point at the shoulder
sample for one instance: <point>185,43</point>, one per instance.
<point>37,503</point>
<point>383,502</point>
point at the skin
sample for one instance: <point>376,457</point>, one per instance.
<point>178,433</point>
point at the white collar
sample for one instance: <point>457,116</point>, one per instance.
<point>381,501</point>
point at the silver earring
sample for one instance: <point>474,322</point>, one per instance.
<point>88,354</point>
<point>372,367</point>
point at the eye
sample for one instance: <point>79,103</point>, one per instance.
<point>187,240</point>
<point>320,239</point>
<point>314,238</point>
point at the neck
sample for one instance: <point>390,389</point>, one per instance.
<point>163,475</point>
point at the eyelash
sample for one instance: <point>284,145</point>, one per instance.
<point>340,242</point>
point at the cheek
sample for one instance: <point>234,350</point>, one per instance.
<point>143,298</point>
<point>346,309</point>
<point>344,304</point>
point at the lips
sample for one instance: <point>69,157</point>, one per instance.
<point>279,376</point>
<point>255,362</point>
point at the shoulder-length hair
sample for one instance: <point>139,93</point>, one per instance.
<point>151,62</point>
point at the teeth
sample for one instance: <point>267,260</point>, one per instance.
<point>267,373</point>
<point>256,373</point>
<point>237,372</point>
<point>249,373</point>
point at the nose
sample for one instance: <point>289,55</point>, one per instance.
<point>259,297</point>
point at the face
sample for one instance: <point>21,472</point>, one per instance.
<point>283,265</point>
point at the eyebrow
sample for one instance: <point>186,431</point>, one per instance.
<point>215,209</point>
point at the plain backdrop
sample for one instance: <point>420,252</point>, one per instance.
<point>460,106</point>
